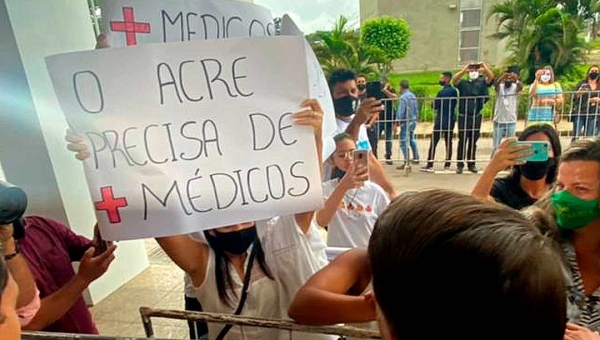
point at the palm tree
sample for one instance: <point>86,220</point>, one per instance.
<point>341,48</point>
<point>539,32</point>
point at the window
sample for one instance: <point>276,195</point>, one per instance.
<point>471,4</point>
<point>469,55</point>
<point>469,39</point>
<point>470,18</point>
<point>469,30</point>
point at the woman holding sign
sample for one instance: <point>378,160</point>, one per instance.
<point>245,269</point>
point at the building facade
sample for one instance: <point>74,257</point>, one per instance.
<point>446,34</point>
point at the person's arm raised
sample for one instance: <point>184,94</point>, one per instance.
<point>187,254</point>
<point>508,154</point>
<point>325,298</point>
<point>312,116</point>
<point>55,305</point>
<point>352,179</point>
<point>458,76</point>
<point>367,109</point>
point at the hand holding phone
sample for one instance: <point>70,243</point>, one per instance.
<point>361,161</point>
<point>374,90</point>
<point>539,151</point>
<point>100,244</point>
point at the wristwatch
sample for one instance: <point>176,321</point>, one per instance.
<point>13,255</point>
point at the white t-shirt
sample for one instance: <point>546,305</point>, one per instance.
<point>352,224</point>
<point>292,258</point>
<point>363,138</point>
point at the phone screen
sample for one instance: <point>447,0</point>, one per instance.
<point>374,90</point>
<point>361,159</point>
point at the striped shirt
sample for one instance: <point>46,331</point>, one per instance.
<point>539,113</point>
<point>581,309</point>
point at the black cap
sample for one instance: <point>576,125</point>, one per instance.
<point>13,203</point>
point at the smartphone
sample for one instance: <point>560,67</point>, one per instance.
<point>361,159</point>
<point>102,245</point>
<point>539,150</point>
<point>374,90</point>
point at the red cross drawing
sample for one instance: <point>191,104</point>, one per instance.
<point>129,26</point>
<point>111,204</point>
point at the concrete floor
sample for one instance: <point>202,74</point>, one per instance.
<point>161,285</point>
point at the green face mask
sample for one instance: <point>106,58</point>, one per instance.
<point>572,212</point>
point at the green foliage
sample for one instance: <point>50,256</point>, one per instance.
<point>342,48</point>
<point>388,34</point>
<point>541,33</point>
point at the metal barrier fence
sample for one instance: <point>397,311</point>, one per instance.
<point>291,327</point>
<point>470,135</point>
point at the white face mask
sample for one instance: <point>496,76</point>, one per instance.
<point>473,75</point>
<point>545,78</point>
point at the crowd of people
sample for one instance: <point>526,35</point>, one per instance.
<point>518,258</point>
<point>460,104</point>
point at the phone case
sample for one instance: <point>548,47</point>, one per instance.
<point>539,151</point>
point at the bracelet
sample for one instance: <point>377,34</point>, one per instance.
<point>13,255</point>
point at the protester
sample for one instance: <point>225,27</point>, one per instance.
<point>9,292</point>
<point>384,122</point>
<point>444,106</point>
<point>584,115</point>
<point>407,116</point>
<point>352,202</point>
<point>273,262</point>
<point>508,88</point>
<point>49,247</point>
<point>575,206</point>
<point>528,181</point>
<point>546,95</point>
<point>503,278</point>
<point>474,94</point>
<point>13,202</point>
<point>351,118</point>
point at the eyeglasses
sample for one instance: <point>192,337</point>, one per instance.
<point>345,154</point>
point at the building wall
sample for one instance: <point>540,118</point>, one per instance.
<point>435,26</point>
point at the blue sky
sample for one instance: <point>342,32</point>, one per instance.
<point>312,15</point>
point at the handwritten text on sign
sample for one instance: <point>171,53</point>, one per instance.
<point>190,136</point>
<point>133,22</point>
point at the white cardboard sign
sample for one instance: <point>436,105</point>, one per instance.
<point>191,136</point>
<point>135,22</point>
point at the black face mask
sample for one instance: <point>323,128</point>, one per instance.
<point>442,83</point>
<point>593,75</point>
<point>508,84</point>
<point>535,171</point>
<point>13,203</point>
<point>235,243</point>
<point>362,87</point>
<point>344,106</point>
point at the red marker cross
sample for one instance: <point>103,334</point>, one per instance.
<point>111,204</point>
<point>129,26</point>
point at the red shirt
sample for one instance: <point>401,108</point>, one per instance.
<point>50,248</point>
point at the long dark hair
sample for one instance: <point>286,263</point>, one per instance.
<point>222,263</point>
<point>554,143</point>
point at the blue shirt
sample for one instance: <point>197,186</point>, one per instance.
<point>408,108</point>
<point>445,106</point>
